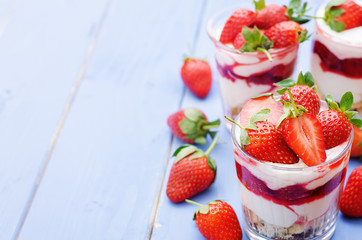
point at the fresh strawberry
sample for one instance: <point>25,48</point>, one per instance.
<point>351,199</point>
<point>337,121</point>
<point>239,41</point>
<point>254,105</point>
<point>341,15</point>
<point>302,91</point>
<point>270,15</point>
<point>217,220</point>
<point>197,76</point>
<point>286,34</point>
<point>263,141</point>
<point>241,17</point>
<point>356,150</point>
<point>191,125</point>
<point>304,136</point>
<point>192,172</point>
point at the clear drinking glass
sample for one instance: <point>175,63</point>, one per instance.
<point>286,202</point>
<point>337,60</point>
<point>244,74</point>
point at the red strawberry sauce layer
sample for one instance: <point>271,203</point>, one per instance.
<point>350,67</point>
<point>296,194</point>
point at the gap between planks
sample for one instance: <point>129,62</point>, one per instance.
<point>160,187</point>
<point>63,119</point>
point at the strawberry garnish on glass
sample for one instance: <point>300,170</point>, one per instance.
<point>303,92</point>
<point>337,120</point>
<point>351,200</point>
<point>341,15</point>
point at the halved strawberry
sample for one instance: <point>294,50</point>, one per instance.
<point>254,105</point>
<point>241,17</point>
<point>304,136</point>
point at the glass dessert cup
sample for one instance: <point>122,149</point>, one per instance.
<point>337,60</point>
<point>280,201</point>
<point>244,74</point>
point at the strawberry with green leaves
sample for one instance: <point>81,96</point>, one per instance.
<point>285,34</point>
<point>192,172</point>
<point>191,125</point>
<point>238,19</point>
<point>351,199</point>
<point>341,15</point>
<point>303,92</point>
<point>337,121</point>
<point>271,14</point>
<point>197,76</point>
<point>217,220</point>
<point>356,150</point>
<point>303,133</point>
<point>263,141</point>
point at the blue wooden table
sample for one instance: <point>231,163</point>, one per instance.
<point>86,87</point>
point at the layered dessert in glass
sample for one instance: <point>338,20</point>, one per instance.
<point>244,74</point>
<point>337,59</point>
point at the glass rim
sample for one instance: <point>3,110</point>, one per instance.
<point>235,51</point>
<point>267,164</point>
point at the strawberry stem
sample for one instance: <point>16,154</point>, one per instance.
<point>266,53</point>
<point>211,146</point>
<point>233,122</point>
<point>195,203</point>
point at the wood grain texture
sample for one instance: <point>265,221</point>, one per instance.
<point>42,53</point>
<point>105,172</point>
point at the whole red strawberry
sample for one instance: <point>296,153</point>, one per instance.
<point>270,15</point>
<point>217,220</point>
<point>263,141</point>
<point>337,121</point>
<point>351,200</point>
<point>302,92</point>
<point>286,34</point>
<point>343,15</point>
<point>192,172</point>
<point>239,41</point>
<point>241,17</point>
<point>197,76</point>
<point>191,125</point>
<point>356,150</point>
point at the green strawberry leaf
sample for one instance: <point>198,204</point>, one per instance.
<point>308,79</point>
<point>296,12</point>
<point>337,12</point>
<point>211,162</point>
<point>260,116</point>
<point>255,41</point>
<point>334,3</point>
<point>346,102</point>
<point>251,126</point>
<point>285,83</point>
<point>212,134</point>
<point>261,95</point>
<point>180,148</point>
<point>331,103</point>
<point>187,126</point>
<point>244,138</point>
<point>193,114</point>
<point>349,114</point>
<point>359,144</point>
<point>294,4</point>
<point>204,209</point>
<point>337,26</point>
<point>259,5</point>
<point>200,140</point>
<point>197,154</point>
<point>281,91</point>
<point>184,152</point>
<point>357,122</point>
<point>209,125</point>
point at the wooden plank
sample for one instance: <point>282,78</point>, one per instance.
<point>104,176</point>
<point>174,221</point>
<point>42,52</point>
